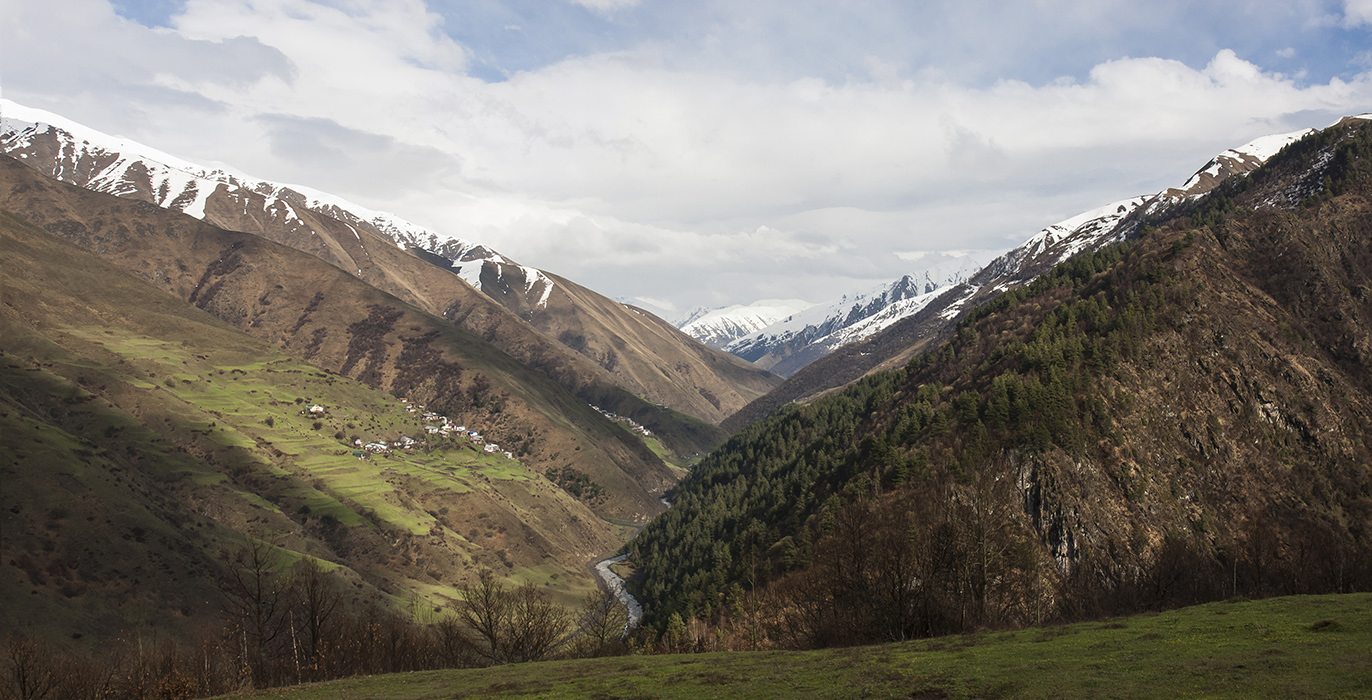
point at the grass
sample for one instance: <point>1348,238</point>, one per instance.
<point>233,403</point>
<point>1301,646</point>
<point>183,434</point>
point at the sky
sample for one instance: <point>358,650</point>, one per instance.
<point>676,154</point>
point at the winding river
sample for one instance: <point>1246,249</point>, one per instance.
<point>615,584</point>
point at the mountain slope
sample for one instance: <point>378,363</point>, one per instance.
<point>894,344</point>
<point>362,249</point>
<point>145,439</point>
<point>310,308</point>
<point>1179,418</point>
<point>390,254</point>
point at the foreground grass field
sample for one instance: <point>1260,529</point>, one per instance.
<point>1294,647</point>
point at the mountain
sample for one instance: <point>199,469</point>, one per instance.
<point>147,441</point>
<point>720,326</point>
<point>635,349</point>
<point>313,310</point>
<point>1178,417</point>
<point>791,343</point>
<point>906,334</point>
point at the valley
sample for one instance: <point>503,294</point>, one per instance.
<point>249,413</point>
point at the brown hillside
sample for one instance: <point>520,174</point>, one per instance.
<point>670,369</point>
<point>144,439</point>
<point>1185,417</point>
<point>310,308</point>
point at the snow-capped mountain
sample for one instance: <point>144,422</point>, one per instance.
<point>643,354</point>
<point>800,338</point>
<point>720,326</point>
<point>787,346</point>
<point>67,151</point>
<point>1114,222</point>
<point>814,368</point>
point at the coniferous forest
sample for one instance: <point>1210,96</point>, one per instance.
<point>1164,421</point>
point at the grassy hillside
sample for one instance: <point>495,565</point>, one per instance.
<point>313,310</point>
<point>144,439</point>
<point>1309,646</point>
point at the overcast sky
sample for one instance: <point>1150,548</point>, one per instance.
<point>708,152</point>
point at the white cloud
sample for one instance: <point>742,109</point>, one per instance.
<point>1357,12</point>
<point>605,6</point>
<point>640,179</point>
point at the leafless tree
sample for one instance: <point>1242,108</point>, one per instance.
<point>258,597</point>
<point>603,620</point>
<point>511,625</point>
<point>29,671</point>
<point>317,597</point>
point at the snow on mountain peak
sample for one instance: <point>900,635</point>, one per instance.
<point>719,326</point>
<point>122,167</point>
<point>853,317</point>
<point>1241,159</point>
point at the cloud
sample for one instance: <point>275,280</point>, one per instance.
<point>1357,13</point>
<point>63,50</point>
<point>335,158</point>
<point>605,6</point>
<point>652,172</point>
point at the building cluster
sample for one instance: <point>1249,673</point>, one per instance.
<point>438,424</point>
<point>435,424</point>
<point>621,419</point>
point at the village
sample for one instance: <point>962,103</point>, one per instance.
<point>436,424</point>
<point>441,425</point>
<point>621,419</point>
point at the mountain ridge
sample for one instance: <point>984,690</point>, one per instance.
<point>720,326</point>
<point>900,340</point>
<point>384,250</point>
<point>791,343</point>
<point>1178,417</point>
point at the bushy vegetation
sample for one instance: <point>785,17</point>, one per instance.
<point>578,483</point>
<point>1304,646</point>
<point>295,623</point>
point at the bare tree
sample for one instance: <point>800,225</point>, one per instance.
<point>987,513</point>
<point>29,671</point>
<point>258,596</point>
<point>602,628</point>
<point>536,623</point>
<point>317,596</point>
<point>484,609</point>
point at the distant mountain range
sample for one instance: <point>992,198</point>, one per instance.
<point>720,326</point>
<point>818,357</point>
<point>804,336</point>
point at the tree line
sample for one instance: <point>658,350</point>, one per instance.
<point>284,625</point>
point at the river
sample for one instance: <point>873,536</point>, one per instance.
<point>615,584</point>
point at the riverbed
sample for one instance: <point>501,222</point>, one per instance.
<point>615,585</point>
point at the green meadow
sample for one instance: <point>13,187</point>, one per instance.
<point>1293,647</point>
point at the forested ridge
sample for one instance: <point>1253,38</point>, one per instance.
<point>1181,417</point>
